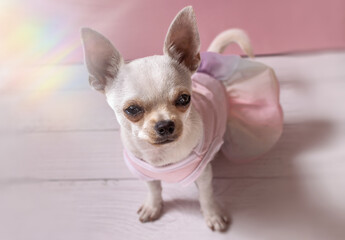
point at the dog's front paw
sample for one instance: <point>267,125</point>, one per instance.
<point>215,218</point>
<point>150,211</point>
<point>217,222</point>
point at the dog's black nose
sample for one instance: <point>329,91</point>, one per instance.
<point>165,128</point>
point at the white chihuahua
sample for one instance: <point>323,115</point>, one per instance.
<point>151,98</point>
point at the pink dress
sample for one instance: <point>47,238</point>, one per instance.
<point>238,101</point>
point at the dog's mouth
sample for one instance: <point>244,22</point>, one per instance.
<point>164,141</point>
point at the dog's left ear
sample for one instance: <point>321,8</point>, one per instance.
<point>182,42</point>
<point>102,59</point>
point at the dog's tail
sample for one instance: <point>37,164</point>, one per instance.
<point>234,35</point>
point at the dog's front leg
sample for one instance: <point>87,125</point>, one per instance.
<point>152,208</point>
<point>215,218</point>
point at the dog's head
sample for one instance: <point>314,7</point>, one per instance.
<point>151,96</point>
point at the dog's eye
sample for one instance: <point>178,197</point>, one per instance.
<point>134,110</point>
<point>183,100</point>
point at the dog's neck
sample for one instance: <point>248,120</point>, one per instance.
<point>170,153</point>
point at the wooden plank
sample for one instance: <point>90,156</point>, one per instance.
<point>88,110</point>
<point>52,98</point>
<point>56,111</point>
<point>68,103</point>
<point>43,78</point>
<point>80,110</point>
<point>314,148</point>
<point>260,209</point>
<point>64,155</point>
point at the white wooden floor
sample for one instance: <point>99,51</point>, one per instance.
<point>62,175</point>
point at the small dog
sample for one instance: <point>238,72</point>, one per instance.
<point>151,98</point>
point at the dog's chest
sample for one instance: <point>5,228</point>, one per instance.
<point>167,156</point>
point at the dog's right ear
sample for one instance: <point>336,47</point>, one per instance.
<point>182,41</point>
<point>102,60</point>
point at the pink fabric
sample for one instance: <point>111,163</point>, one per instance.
<point>240,112</point>
<point>209,99</point>
<point>255,115</point>
<point>255,118</point>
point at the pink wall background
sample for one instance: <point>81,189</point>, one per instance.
<point>137,28</point>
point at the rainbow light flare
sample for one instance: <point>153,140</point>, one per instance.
<point>29,42</point>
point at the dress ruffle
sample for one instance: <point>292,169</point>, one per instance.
<point>254,116</point>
